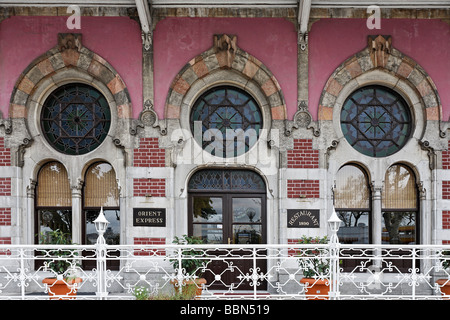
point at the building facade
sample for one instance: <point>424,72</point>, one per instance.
<point>238,124</point>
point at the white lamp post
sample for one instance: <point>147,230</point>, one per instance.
<point>334,223</point>
<point>100,225</point>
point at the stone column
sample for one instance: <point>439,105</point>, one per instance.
<point>376,219</point>
<point>77,211</point>
<point>31,191</point>
<point>376,213</point>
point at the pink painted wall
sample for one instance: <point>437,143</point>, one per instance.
<point>332,41</point>
<point>116,39</point>
<point>272,41</point>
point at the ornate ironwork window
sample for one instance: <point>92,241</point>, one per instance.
<point>226,121</point>
<point>376,121</point>
<point>75,119</point>
<point>236,180</point>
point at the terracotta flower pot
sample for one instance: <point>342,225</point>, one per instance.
<point>444,285</point>
<point>316,289</point>
<point>190,286</point>
<point>60,289</point>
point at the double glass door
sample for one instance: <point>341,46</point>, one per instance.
<point>230,218</point>
<point>227,218</point>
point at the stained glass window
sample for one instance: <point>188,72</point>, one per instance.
<point>216,179</point>
<point>226,121</point>
<point>75,119</point>
<point>376,121</point>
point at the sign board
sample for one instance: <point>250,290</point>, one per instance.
<point>149,217</point>
<point>303,218</point>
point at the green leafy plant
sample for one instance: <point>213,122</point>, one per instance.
<point>445,259</point>
<point>142,293</point>
<point>192,266</point>
<point>64,258</point>
<point>314,263</point>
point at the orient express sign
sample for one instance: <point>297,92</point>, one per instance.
<point>149,217</point>
<point>303,218</point>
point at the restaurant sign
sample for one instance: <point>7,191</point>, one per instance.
<point>298,218</point>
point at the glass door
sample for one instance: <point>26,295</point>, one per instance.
<point>229,219</point>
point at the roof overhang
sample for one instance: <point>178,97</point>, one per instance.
<point>412,4</point>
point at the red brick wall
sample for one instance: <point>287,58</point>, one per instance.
<point>149,187</point>
<point>5,153</point>
<point>5,216</point>
<point>149,154</point>
<point>5,240</point>
<point>5,186</point>
<point>303,155</point>
<point>303,189</point>
<point>291,251</point>
<point>149,241</point>
<point>446,219</point>
<point>445,189</point>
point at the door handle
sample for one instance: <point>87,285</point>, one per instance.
<point>229,241</point>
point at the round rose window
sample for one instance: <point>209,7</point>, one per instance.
<point>376,121</point>
<point>75,119</point>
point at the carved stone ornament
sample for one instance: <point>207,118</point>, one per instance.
<point>69,41</point>
<point>147,40</point>
<point>225,48</point>
<point>6,123</point>
<point>302,119</point>
<point>425,145</point>
<point>147,118</point>
<point>302,40</point>
<point>380,48</point>
<point>148,115</point>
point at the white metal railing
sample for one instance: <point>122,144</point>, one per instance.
<point>233,271</point>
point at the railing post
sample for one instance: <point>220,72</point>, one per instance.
<point>255,274</point>
<point>414,274</point>
<point>334,224</point>
<point>100,247</point>
<point>22,273</point>
<point>180,270</point>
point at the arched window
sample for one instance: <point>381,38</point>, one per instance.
<point>101,191</point>
<point>352,204</point>
<point>75,119</point>
<point>399,206</point>
<point>226,121</point>
<point>53,200</point>
<point>376,121</point>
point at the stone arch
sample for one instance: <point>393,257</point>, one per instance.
<point>225,55</point>
<point>380,55</point>
<point>68,54</point>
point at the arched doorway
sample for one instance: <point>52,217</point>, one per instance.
<point>228,207</point>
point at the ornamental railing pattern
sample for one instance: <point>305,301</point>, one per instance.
<point>231,271</point>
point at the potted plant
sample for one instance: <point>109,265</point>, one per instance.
<point>64,285</point>
<point>444,284</point>
<point>143,293</point>
<point>316,267</point>
<point>194,267</point>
